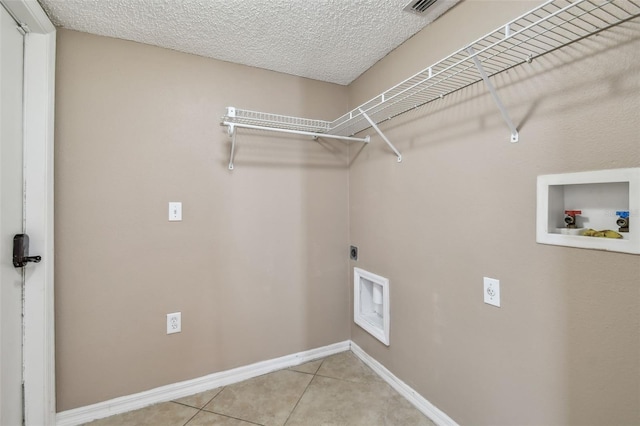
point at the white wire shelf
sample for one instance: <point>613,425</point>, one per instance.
<point>551,26</point>
<point>555,24</point>
<point>255,118</point>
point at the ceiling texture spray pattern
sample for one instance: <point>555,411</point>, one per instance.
<point>328,40</point>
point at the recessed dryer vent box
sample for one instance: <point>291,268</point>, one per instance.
<point>371,303</point>
<point>596,201</point>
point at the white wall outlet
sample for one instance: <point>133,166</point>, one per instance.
<point>174,322</point>
<point>492,291</point>
<point>175,211</point>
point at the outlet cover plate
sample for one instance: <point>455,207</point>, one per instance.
<point>492,291</point>
<point>174,322</point>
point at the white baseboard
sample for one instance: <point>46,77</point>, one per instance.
<point>173,391</point>
<point>428,409</point>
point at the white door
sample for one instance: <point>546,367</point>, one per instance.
<point>11,219</point>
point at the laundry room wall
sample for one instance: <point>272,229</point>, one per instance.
<point>563,348</point>
<point>259,263</point>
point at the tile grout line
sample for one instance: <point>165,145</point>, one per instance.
<point>234,418</point>
<point>214,412</point>
<point>231,417</point>
<point>192,417</point>
<point>303,392</point>
<point>199,409</point>
<point>350,381</point>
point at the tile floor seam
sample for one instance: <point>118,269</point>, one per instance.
<point>192,417</point>
<point>204,406</point>
<point>220,389</point>
<point>305,391</point>
<point>234,418</point>
<point>299,399</point>
<point>288,411</point>
<point>186,405</point>
<point>201,408</point>
<point>350,381</point>
<point>221,415</point>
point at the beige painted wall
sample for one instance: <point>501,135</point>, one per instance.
<point>259,265</point>
<point>564,348</point>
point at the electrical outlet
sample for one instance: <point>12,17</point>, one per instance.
<point>492,291</point>
<point>174,322</point>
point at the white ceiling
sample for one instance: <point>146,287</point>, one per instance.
<point>328,40</point>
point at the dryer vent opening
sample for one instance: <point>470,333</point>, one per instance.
<point>371,303</point>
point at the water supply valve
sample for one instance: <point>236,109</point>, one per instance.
<point>570,217</point>
<point>623,221</point>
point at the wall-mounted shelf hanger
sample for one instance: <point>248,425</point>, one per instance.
<point>552,25</point>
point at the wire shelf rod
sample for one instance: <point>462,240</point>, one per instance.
<point>296,132</point>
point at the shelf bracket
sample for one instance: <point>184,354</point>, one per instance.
<point>393,148</point>
<point>231,129</point>
<point>494,94</point>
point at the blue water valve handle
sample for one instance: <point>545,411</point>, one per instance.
<point>624,214</point>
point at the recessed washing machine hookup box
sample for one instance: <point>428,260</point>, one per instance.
<point>594,210</point>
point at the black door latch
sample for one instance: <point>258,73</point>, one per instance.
<point>21,251</point>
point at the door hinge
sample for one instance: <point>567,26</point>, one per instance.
<point>24,406</point>
<point>23,28</point>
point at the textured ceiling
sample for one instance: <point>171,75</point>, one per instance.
<point>328,40</point>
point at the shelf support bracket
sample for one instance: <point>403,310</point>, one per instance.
<point>231,129</point>
<point>393,148</point>
<point>494,94</point>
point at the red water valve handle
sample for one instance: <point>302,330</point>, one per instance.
<point>572,212</point>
